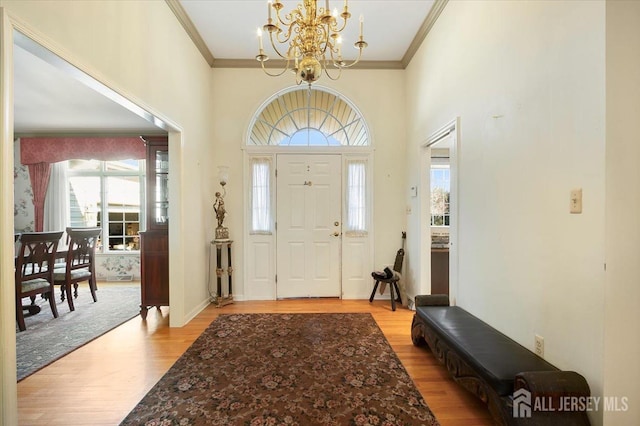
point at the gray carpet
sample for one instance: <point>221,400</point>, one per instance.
<point>47,339</point>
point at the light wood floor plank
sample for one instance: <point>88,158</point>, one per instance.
<point>99,383</point>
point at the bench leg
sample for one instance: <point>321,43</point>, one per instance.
<point>373,293</point>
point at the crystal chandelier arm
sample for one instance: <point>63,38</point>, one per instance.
<point>334,26</point>
<point>290,24</point>
<point>334,21</point>
<point>292,20</point>
<point>280,37</point>
<point>328,74</point>
<point>277,5</point>
<point>334,46</point>
<point>360,45</point>
<point>283,37</point>
<point>275,47</point>
<point>285,69</point>
<point>295,16</point>
<point>341,64</point>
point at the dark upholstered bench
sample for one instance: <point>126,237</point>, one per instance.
<point>492,366</point>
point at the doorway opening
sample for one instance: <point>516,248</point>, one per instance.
<point>439,212</point>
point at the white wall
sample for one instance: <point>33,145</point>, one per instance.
<point>379,95</point>
<point>139,49</point>
<point>622,297</point>
<point>527,80</point>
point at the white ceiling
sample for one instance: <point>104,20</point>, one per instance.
<point>48,100</point>
<point>51,97</point>
<point>229,27</point>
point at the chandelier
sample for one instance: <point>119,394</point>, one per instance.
<point>311,37</point>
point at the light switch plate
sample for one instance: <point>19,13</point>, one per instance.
<point>539,346</point>
<point>575,201</point>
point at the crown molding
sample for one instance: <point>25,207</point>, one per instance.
<point>88,134</point>
<point>191,30</point>
<point>195,36</point>
<point>431,19</point>
<point>279,63</point>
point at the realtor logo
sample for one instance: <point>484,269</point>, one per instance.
<point>522,404</point>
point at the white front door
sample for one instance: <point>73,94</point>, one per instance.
<point>308,221</point>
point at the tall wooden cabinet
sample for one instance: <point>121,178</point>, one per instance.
<point>154,242</point>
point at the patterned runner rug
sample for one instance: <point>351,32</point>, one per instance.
<point>286,369</point>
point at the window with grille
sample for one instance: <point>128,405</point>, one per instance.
<point>440,194</point>
<point>109,195</point>
<point>308,117</point>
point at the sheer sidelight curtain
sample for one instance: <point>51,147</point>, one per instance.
<point>56,207</point>
<point>356,223</point>
<point>260,195</point>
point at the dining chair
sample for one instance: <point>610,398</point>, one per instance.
<point>16,243</point>
<point>34,270</point>
<point>79,264</point>
<point>68,239</point>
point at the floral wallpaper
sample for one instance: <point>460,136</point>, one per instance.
<point>112,266</point>
<point>23,214</point>
<point>108,266</point>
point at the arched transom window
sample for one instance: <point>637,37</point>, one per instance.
<point>308,117</point>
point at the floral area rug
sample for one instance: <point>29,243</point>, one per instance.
<point>286,369</point>
<point>47,339</point>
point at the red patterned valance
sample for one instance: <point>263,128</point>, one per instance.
<point>53,150</point>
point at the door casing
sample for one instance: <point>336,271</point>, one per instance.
<point>450,131</point>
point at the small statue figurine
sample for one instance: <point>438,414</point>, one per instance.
<point>218,207</point>
<point>222,233</point>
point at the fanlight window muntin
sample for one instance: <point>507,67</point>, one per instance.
<point>313,117</point>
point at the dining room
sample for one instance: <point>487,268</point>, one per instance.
<point>56,294</point>
<point>79,164</point>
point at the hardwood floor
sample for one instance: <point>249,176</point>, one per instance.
<point>99,383</point>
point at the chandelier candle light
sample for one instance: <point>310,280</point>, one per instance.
<point>312,39</point>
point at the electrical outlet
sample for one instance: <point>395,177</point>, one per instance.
<point>539,346</point>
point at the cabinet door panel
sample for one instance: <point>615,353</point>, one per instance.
<point>154,257</point>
